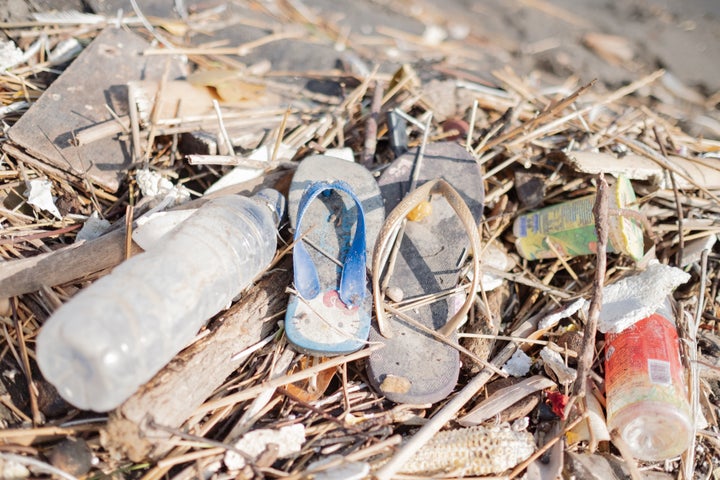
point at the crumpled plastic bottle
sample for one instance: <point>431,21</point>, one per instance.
<point>116,334</point>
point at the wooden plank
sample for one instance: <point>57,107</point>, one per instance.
<point>77,99</point>
<point>135,429</point>
<point>75,261</point>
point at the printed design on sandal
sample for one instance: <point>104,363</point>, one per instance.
<point>333,302</point>
<point>329,312</point>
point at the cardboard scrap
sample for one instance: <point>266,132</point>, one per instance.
<point>77,100</point>
<point>689,174</point>
<point>692,253</point>
<point>232,86</point>
<point>178,99</point>
<point>634,167</point>
<point>699,172</point>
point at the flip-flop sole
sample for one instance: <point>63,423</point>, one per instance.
<point>414,367</point>
<point>324,325</point>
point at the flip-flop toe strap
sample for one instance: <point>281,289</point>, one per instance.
<point>353,278</point>
<point>388,234</point>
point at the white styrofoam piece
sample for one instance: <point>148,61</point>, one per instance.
<point>289,440</point>
<point>518,365</point>
<point>155,186</point>
<point>10,55</point>
<point>434,35</point>
<point>495,257</point>
<point>636,297</point>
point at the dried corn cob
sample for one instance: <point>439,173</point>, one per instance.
<point>474,450</point>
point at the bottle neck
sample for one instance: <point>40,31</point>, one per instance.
<point>273,201</point>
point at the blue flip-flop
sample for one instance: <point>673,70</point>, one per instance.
<point>336,210</point>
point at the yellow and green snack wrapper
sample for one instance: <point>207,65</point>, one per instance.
<point>570,227</point>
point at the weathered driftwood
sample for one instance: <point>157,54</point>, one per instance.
<point>77,261</point>
<point>172,396</point>
<point>62,266</point>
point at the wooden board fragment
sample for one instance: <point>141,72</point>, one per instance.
<point>135,429</point>
<point>689,173</point>
<point>78,99</point>
<point>634,167</point>
<point>75,261</point>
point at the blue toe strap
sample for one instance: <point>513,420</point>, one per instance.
<point>352,282</point>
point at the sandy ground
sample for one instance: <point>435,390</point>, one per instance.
<point>553,35</point>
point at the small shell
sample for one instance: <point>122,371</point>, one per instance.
<point>395,294</point>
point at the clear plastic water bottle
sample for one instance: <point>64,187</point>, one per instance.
<point>116,334</point>
<point>646,395</point>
